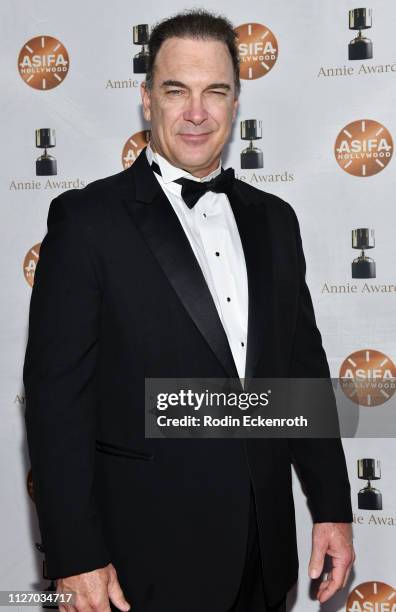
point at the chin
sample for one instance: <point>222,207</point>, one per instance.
<point>195,155</point>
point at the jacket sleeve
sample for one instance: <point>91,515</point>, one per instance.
<point>320,462</point>
<point>58,375</point>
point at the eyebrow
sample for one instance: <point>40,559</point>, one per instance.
<point>172,83</point>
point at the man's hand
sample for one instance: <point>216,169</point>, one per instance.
<point>92,591</point>
<point>334,539</point>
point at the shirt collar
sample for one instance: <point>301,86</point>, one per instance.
<point>171,173</point>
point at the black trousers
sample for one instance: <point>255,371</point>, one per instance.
<point>250,597</point>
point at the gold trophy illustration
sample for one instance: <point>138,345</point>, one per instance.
<point>140,37</point>
<point>45,164</point>
<point>363,266</point>
<point>369,498</point>
<point>360,48</point>
<point>251,157</point>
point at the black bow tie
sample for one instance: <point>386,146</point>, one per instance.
<point>192,190</point>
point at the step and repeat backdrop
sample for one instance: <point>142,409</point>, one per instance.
<point>316,126</point>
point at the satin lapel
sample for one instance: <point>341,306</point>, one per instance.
<point>159,225</point>
<point>256,242</point>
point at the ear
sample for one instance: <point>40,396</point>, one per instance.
<point>146,101</point>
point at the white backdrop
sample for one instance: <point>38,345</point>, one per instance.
<point>311,92</point>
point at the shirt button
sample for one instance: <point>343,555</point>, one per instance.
<point>228,299</point>
<point>204,214</point>
<point>217,253</point>
<point>242,344</point>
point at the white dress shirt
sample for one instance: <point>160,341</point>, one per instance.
<point>214,238</point>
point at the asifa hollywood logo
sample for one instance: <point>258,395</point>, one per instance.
<point>363,148</point>
<point>258,50</point>
<point>133,147</point>
<point>368,377</point>
<point>43,62</point>
<point>372,596</point>
<point>30,263</point>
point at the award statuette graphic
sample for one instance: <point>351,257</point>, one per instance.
<point>140,37</point>
<point>363,266</point>
<point>360,48</point>
<point>45,164</point>
<point>369,498</point>
<point>251,157</point>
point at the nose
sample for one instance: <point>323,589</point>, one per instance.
<point>195,110</point>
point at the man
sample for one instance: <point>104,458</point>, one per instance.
<point>135,280</point>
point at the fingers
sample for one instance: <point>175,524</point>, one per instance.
<point>324,590</point>
<point>84,603</point>
<point>92,590</point>
<point>349,567</point>
<point>335,540</point>
<point>335,580</point>
<point>331,585</point>
<point>116,594</point>
<point>66,608</point>
<point>65,597</point>
<point>319,548</point>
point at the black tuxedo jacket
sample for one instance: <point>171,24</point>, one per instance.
<point>119,296</point>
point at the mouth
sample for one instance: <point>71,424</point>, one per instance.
<point>194,138</point>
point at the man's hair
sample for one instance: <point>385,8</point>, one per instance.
<point>194,23</point>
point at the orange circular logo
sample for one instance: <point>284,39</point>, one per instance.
<point>30,263</point>
<point>368,377</point>
<point>363,147</point>
<point>133,147</point>
<point>43,62</point>
<point>258,50</point>
<point>375,596</point>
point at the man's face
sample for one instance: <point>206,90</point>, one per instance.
<point>192,103</point>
